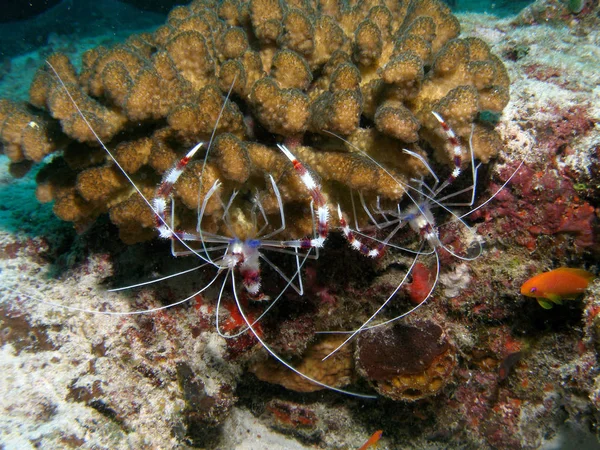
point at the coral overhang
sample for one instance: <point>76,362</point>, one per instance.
<point>371,72</point>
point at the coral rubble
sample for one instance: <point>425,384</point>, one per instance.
<point>298,72</point>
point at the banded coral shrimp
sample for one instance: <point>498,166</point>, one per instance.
<point>420,218</point>
<point>235,256</point>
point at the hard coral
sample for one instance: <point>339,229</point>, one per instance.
<point>296,70</point>
<point>336,371</point>
<point>25,133</point>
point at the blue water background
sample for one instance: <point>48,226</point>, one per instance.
<point>111,21</point>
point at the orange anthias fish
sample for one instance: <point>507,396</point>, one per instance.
<point>372,440</point>
<point>551,287</point>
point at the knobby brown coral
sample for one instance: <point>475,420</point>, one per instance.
<point>370,71</point>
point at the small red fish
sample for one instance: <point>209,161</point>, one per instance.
<point>372,440</point>
<point>551,287</point>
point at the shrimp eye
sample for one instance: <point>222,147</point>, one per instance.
<point>532,290</point>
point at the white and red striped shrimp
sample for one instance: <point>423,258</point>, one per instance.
<point>419,216</point>
<point>229,255</point>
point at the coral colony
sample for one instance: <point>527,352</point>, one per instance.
<point>299,75</point>
<point>236,128</point>
<point>357,93</point>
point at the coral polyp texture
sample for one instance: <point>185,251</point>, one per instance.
<point>299,72</point>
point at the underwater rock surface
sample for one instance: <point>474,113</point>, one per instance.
<point>169,381</point>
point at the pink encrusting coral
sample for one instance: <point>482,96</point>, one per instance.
<point>539,203</point>
<point>543,198</point>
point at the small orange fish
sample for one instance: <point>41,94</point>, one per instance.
<point>551,287</point>
<point>372,440</point>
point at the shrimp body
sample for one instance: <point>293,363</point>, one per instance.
<point>421,220</point>
<point>419,217</point>
<point>236,255</point>
<point>245,255</point>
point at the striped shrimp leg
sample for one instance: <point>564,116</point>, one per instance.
<point>456,152</point>
<point>356,243</point>
<point>319,201</point>
<point>164,192</point>
<point>165,189</point>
